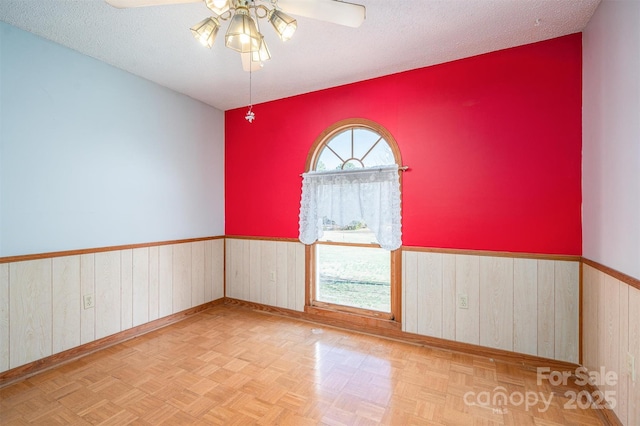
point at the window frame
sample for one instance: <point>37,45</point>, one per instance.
<point>364,317</point>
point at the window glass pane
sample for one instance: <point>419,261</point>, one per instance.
<point>354,276</point>
<point>328,161</point>
<point>380,155</point>
<point>364,140</point>
<point>355,232</point>
<point>368,150</point>
<point>341,144</point>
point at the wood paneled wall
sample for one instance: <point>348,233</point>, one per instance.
<point>529,306</point>
<point>267,272</point>
<point>522,305</point>
<point>41,309</point>
<point>611,330</point>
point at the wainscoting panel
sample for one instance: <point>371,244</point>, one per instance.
<point>525,306</point>
<point>517,304</point>
<point>107,297</point>
<point>141,295</point>
<point>611,328</point>
<point>296,275</point>
<point>467,270</point>
<point>87,287</point>
<point>566,310</point>
<point>267,272</point>
<point>233,271</point>
<point>611,331</point>
<point>410,293</point>
<point>448,297</point>
<point>4,317</point>
<point>154,283</point>
<point>30,311</point>
<point>496,302</point>
<point>255,272</point>
<point>430,278</point>
<point>214,251</point>
<point>66,303</point>
<point>546,307</point>
<point>282,274</point>
<point>126,289</point>
<point>197,274</point>
<point>216,260</point>
<point>623,385</point>
<point>41,301</point>
<point>165,281</point>
<point>235,262</point>
<point>591,284</point>
<point>181,284</point>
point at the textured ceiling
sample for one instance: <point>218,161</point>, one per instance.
<point>155,42</point>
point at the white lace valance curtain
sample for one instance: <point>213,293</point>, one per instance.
<point>371,195</point>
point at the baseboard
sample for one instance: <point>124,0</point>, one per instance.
<point>530,361</point>
<point>27,370</point>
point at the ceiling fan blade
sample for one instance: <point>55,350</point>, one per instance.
<point>125,4</point>
<point>337,12</point>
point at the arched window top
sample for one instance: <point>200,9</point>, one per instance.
<point>353,144</point>
<point>355,148</point>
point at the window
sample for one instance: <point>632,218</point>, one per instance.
<point>348,271</point>
<point>353,148</point>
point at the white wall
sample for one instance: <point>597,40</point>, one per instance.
<point>611,136</point>
<point>92,156</point>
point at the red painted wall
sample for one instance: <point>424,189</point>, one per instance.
<point>493,143</point>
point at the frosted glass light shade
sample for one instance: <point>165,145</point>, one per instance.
<point>217,6</point>
<point>205,31</point>
<point>262,54</point>
<point>242,35</point>
<point>284,24</point>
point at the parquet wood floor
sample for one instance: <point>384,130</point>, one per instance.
<point>233,366</point>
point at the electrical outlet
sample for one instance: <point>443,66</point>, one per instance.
<point>631,366</point>
<point>463,301</point>
<point>88,301</point>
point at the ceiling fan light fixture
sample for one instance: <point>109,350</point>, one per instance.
<point>242,34</point>
<point>218,6</point>
<point>205,31</point>
<point>284,24</point>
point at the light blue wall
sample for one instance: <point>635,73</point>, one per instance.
<point>611,136</point>
<point>92,156</point>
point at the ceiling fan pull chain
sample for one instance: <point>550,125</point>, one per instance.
<point>250,116</point>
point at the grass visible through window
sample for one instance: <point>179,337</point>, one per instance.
<point>354,276</point>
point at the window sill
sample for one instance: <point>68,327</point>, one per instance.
<point>351,320</point>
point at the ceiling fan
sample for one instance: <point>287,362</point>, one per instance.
<point>243,35</point>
